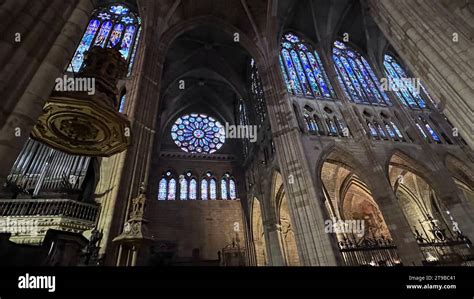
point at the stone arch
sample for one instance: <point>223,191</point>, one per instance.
<point>284,222</point>
<point>462,176</point>
<point>341,156</point>
<point>348,198</point>
<point>417,198</point>
<point>258,233</point>
<point>170,34</point>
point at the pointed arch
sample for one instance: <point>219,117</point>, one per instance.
<point>356,77</point>
<point>111,26</point>
<point>258,233</point>
<point>282,210</point>
<point>462,175</point>
<point>302,68</point>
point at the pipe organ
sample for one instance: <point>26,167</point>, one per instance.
<point>42,169</point>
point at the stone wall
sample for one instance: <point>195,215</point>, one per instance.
<point>205,225</point>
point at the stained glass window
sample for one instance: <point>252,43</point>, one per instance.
<point>198,133</point>
<point>122,102</point>
<point>433,133</point>
<point>223,189</point>
<point>244,121</point>
<point>356,76</point>
<point>212,189</point>
<point>381,131</point>
<point>183,189</point>
<point>399,133</point>
<point>373,131</point>
<point>404,87</point>
<point>331,126</point>
<point>302,69</point>
<point>390,131</point>
<point>172,189</point>
<point>421,130</point>
<point>204,189</point>
<point>430,130</point>
<point>193,189</point>
<point>310,123</point>
<point>232,189</point>
<point>167,187</point>
<point>256,89</point>
<point>113,26</point>
<point>162,189</point>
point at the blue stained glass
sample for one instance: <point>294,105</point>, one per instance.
<point>310,123</point>
<point>390,131</point>
<point>285,76</point>
<point>104,16</point>
<point>213,189</point>
<point>122,103</point>
<point>302,47</point>
<point>301,75</point>
<point>84,45</point>
<point>408,93</point>
<point>204,189</point>
<point>114,26</point>
<point>183,189</point>
<point>305,72</point>
<point>373,87</point>
<point>332,127</point>
<point>119,10</point>
<point>323,71</point>
<point>162,189</point>
<point>132,59</point>
<point>318,73</point>
<point>375,79</point>
<point>198,134</point>
<point>115,36</point>
<point>403,94</point>
<point>193,189</point>
<point>339,45</point>
<point>356,76</point>
<point>309,73</point>
<point>344,80</point>
<point>223,189</point>
<point>292,38</point>
<point>373,131</point>
<point>232,189</point>
<point>103,34</point>
<point>362,80</point>
<point>421,130</point>
<point>381,131</point>
<point>353,79</point>
<point>432,133</point>
<point>399,134</point>
<point>294,83</point>
<point>128,20</point>
<point>172,189</point>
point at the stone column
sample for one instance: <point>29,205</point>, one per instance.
<point>400,231</point>
<point>306,212</point>
<point>49,33</point>
<point>142,110</point>
<point>434,38</point>
<point>273,242</point>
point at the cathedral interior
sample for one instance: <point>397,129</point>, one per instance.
<point>236,133</point>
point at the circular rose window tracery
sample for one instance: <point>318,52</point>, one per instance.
<point>198,133</point>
